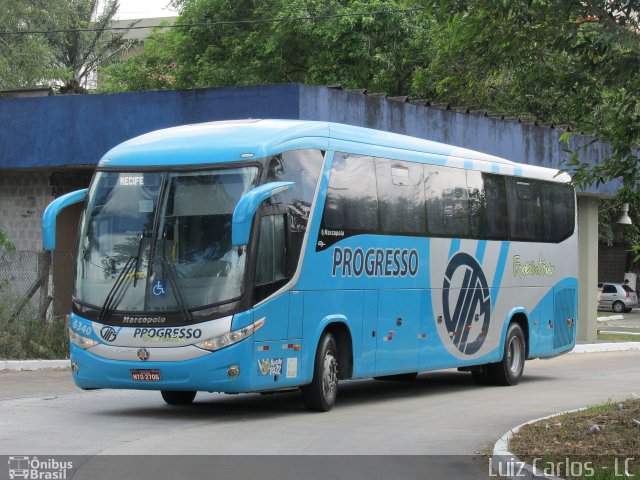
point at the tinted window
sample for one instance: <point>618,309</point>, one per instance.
<point>302,167</point>
<point>487,205</point>
<point>352,202</point>
<point>627,288</point>
<point>524,209</point>
<point>559,211</point>
<point>608,289</point>
<point>271,265</point>
<point>400,196</point>
<point>447,200</point>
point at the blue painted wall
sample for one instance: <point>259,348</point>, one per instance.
<point>59,131</point>
<point>76,130</point>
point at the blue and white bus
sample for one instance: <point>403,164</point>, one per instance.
<point>267,255</point>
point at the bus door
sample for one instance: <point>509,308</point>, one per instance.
<point>397,333</point>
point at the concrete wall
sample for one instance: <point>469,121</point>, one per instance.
<point>23,199</point>
<point>25,195</point>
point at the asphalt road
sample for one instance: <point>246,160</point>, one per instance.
<point>441,413</point>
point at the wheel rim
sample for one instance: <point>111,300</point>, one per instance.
<point>618,307</point>
<point>329,375</point>
<point>514,355</point>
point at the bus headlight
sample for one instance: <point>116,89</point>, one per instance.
<point>224,340</point>
<point>79,340</point>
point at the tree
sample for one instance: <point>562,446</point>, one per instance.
<point>25,60</point>
<point>379,51</point>
<point>83,41</point>
<point>559,61</point>
<point>70,43</point>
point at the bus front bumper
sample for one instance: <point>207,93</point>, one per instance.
<point>212,372</point>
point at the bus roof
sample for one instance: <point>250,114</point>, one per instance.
<point>240,140</point>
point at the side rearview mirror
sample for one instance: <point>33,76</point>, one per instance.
<point>51,212</point>
<point>247,207</point>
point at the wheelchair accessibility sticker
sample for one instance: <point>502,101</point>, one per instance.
<point>158,288</point>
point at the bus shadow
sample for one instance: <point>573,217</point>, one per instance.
<point>230,408</point>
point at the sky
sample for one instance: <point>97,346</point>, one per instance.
<point>143,9</point>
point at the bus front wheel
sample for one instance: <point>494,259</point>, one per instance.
<point>178,397</point>
<point>320,394</point>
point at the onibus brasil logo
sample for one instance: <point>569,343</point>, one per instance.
<point>39,469</point>
<point>467,310</point>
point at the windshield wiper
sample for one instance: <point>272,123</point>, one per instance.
<point>108,302</point>
<point>133,261</point>
<point>170,271</point>
<point>135,274</point>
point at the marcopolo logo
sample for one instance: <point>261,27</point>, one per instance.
<point>467,312</point>
<point>143,320</point>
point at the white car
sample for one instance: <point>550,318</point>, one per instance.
<point>617,297</point>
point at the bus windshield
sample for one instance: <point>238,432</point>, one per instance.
<point>152,241</point>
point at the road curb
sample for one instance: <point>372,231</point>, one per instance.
<point>612,317</point>
<point>605,347</point>
<point>32,365</point>
<point>508,465</point>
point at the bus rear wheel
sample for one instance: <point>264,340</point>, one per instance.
<point>178,397</point>
<point>510,369</point>
<point>320,394</point>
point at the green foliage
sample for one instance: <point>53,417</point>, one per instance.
<point>28,337</point>
<point>25,60</point>
<point>610,232</point>
<point>78,52</point>
<point>377,52</point>
<point>64,58</point>
<point>6,243</point>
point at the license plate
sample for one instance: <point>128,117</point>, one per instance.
<point>145,375</point>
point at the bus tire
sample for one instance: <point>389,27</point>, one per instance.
<point>178,397</point>
<point>509,370</point>
<point>320,394</point>
<point>400,377</point>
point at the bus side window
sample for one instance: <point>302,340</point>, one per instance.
<point>271,266</point>
<point>558,205</point>
<point>352,201</point>
<point>400,197</point>
<point>447,201</point>
<point>487,205</point>
<point>302,167</point>
<point>525,209</point>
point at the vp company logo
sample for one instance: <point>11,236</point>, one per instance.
<point>39,469</point>
<point>108,334</point>
<point>467,310</point>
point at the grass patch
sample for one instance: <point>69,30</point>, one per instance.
<point>27,336</point>
<point>568,436</point>
<point>618,337</point>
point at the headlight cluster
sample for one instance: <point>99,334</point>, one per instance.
<point>221,341</point>
<point>79,340</point>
